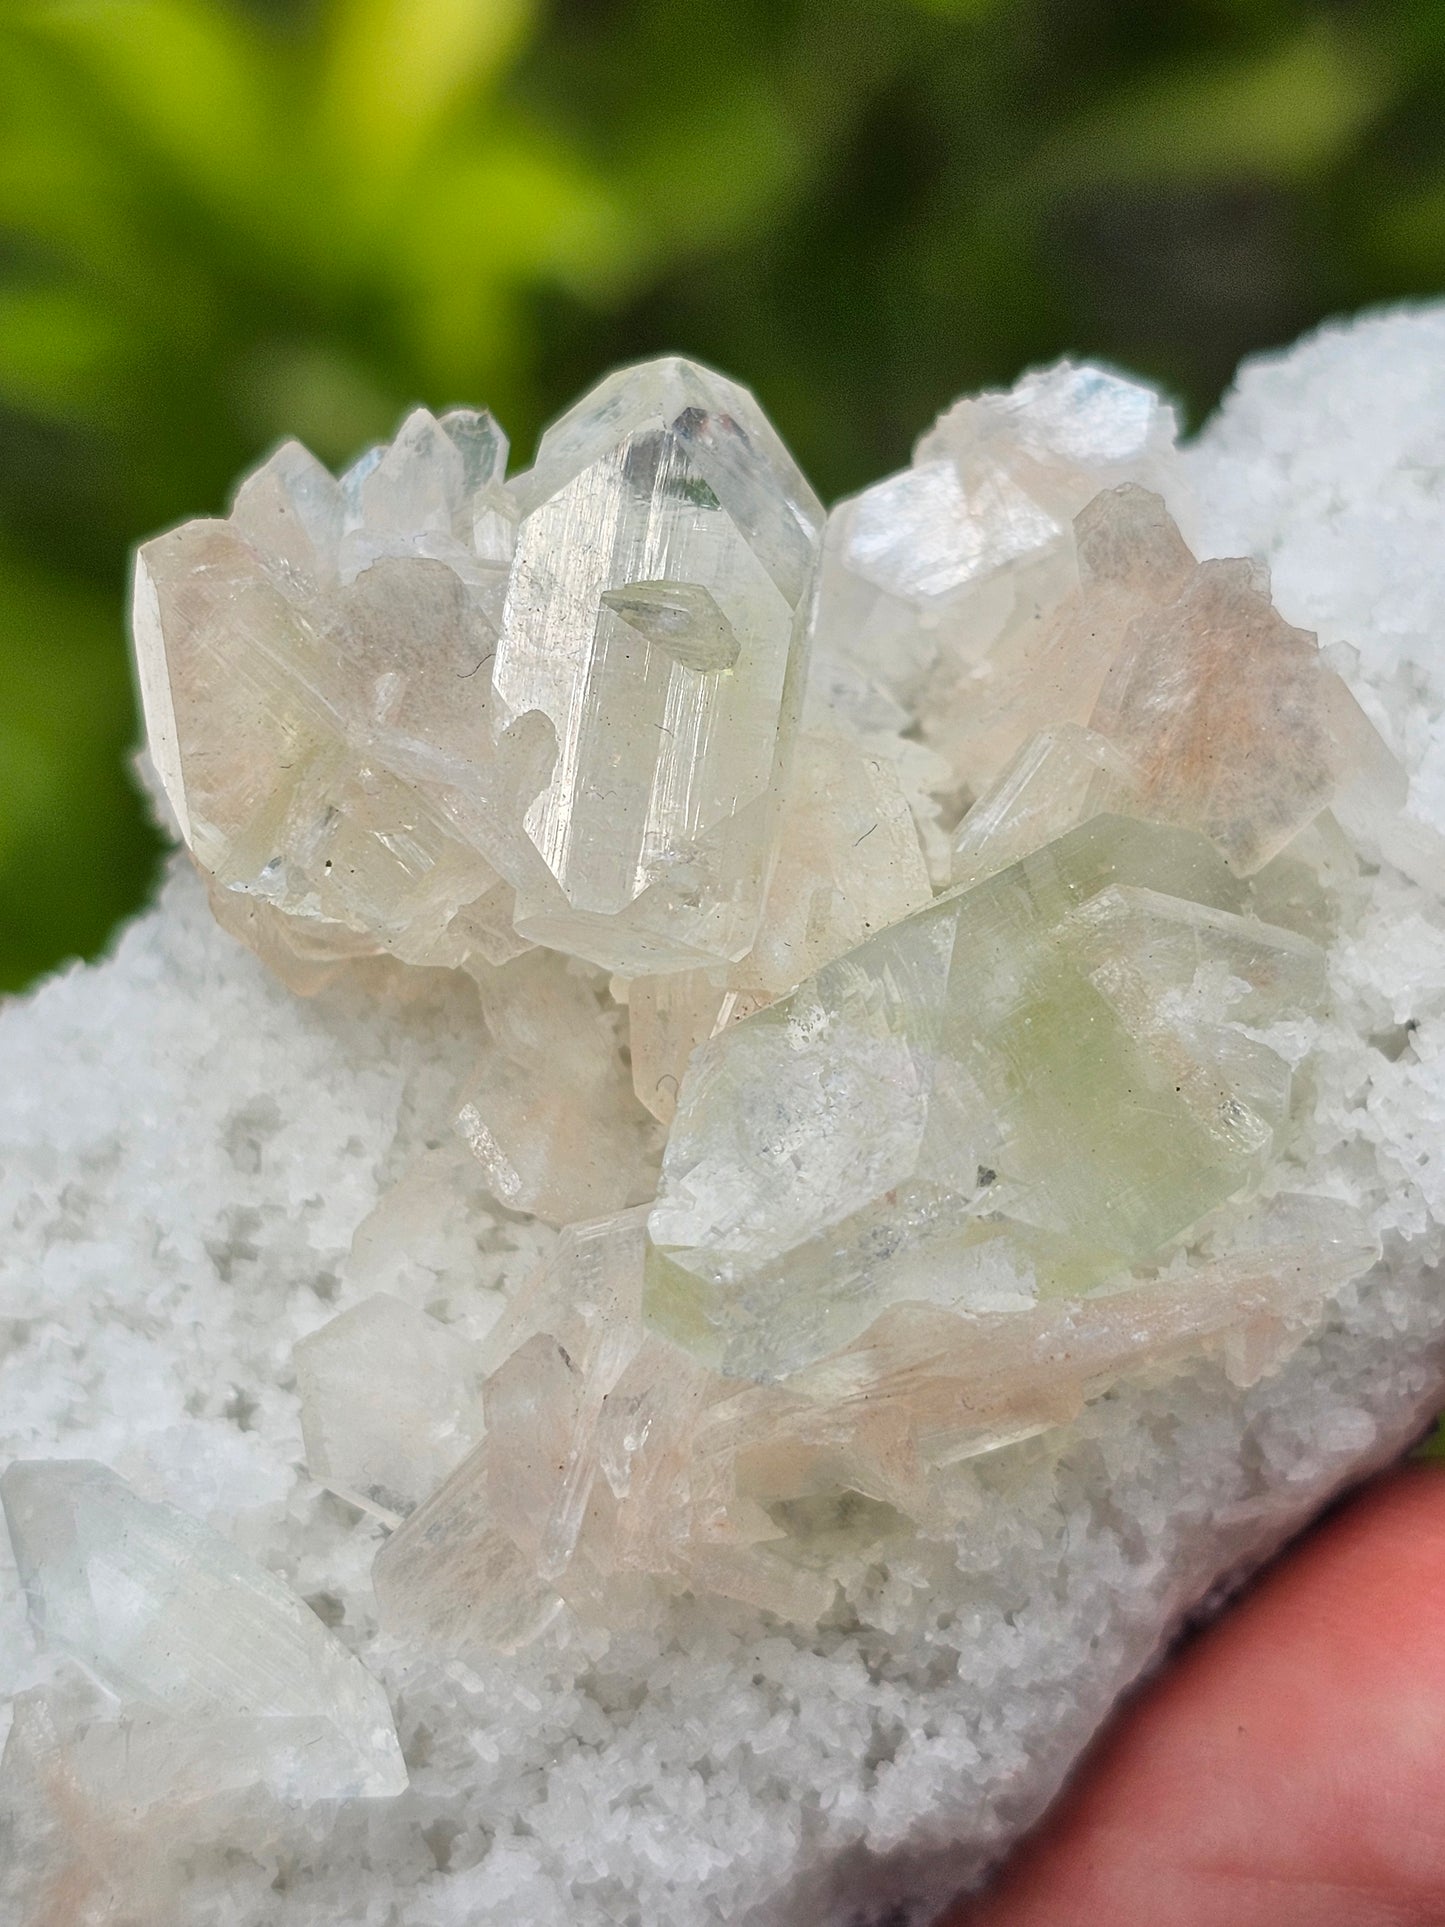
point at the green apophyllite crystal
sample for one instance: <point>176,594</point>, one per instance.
<point>1026,1087</point>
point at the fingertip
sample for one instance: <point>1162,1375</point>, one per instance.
<point>1283,1770</point>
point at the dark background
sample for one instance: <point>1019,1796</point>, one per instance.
<point>224,223</point>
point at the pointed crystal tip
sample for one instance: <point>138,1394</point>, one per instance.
<point>171,1618</point>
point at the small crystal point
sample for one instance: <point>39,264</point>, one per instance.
<point>479,439</point>
<point>681,619</point>
<point>291,508</point>
<point>170,1617</point>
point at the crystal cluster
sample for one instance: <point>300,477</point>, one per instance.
<point>895,953</point>
<point>427,712</point>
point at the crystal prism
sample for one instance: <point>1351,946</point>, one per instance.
<point>168,1616</point>
<point>389,1404</point>
<point>655,617</point>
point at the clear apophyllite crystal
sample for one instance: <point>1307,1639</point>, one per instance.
<point>1028,1086</point>
<point>389,1403</point>
<point>548,1106</point>
<point>927,570</point>
<point>379,729</point>
<point>315,677</point>
<point>616,1464</point>
<point>175,1622</point>
<point>655,616</point>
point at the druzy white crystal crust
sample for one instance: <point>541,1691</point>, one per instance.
<point>757,1692</point>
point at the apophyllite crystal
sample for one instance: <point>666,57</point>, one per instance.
<point>428,712</point>
<point>654,616</point>
<point>214,1663</point>
<point>1025,1089</point>
<point>893,962</point>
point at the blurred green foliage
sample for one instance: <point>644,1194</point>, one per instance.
<point>223,222</point>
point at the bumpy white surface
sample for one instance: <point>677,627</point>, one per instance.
<point>186,1152</point>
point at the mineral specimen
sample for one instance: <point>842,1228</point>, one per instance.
<point>930,571</point>
<point>889,1113</point>
<point>381,728</point>
<point>913,984</point>
<point>613,1459</point>
<point>202,1648</point>
<point>1030,1086</point>
<point>654,616</point>
<point>389,1404</point>
<point>548,1106</point>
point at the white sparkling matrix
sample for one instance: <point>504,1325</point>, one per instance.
<point>592,1414</point>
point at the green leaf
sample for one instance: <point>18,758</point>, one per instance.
<point>71,190</point>
<point>1410,233</point>
<point>191,79</point>
<point>62,352</point>
<point>956,9</point>
<point>396,69</point>
<point>76,852</point>
<point>517,207</point>
<point>1281,115</point>
<point>707,167</point>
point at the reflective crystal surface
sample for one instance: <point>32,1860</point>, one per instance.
<point>389,1403</point>
<point>1013,1090</point>
<point>1195,696</point>
<point>386,710</point>
<point>655,613</point>
<point>897,955</point>
<point>179,1625</point>
<point>927,570</point>
<point>548,1108</point>
<point>315,672</point>
<point>616,1464</point>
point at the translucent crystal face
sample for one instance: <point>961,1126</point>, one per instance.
<point>655,612</point>
<point>926,570</point>
<point>422,712</point>
<point>1028,1086</point>
<point>389,1404</point>
<point>547,1106</point>
<point>314,673</point>
<point>168,1616</point>
<point>965,894</point>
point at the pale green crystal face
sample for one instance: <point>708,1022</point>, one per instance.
<point>1029,1085</point>
<point>654,616</point>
